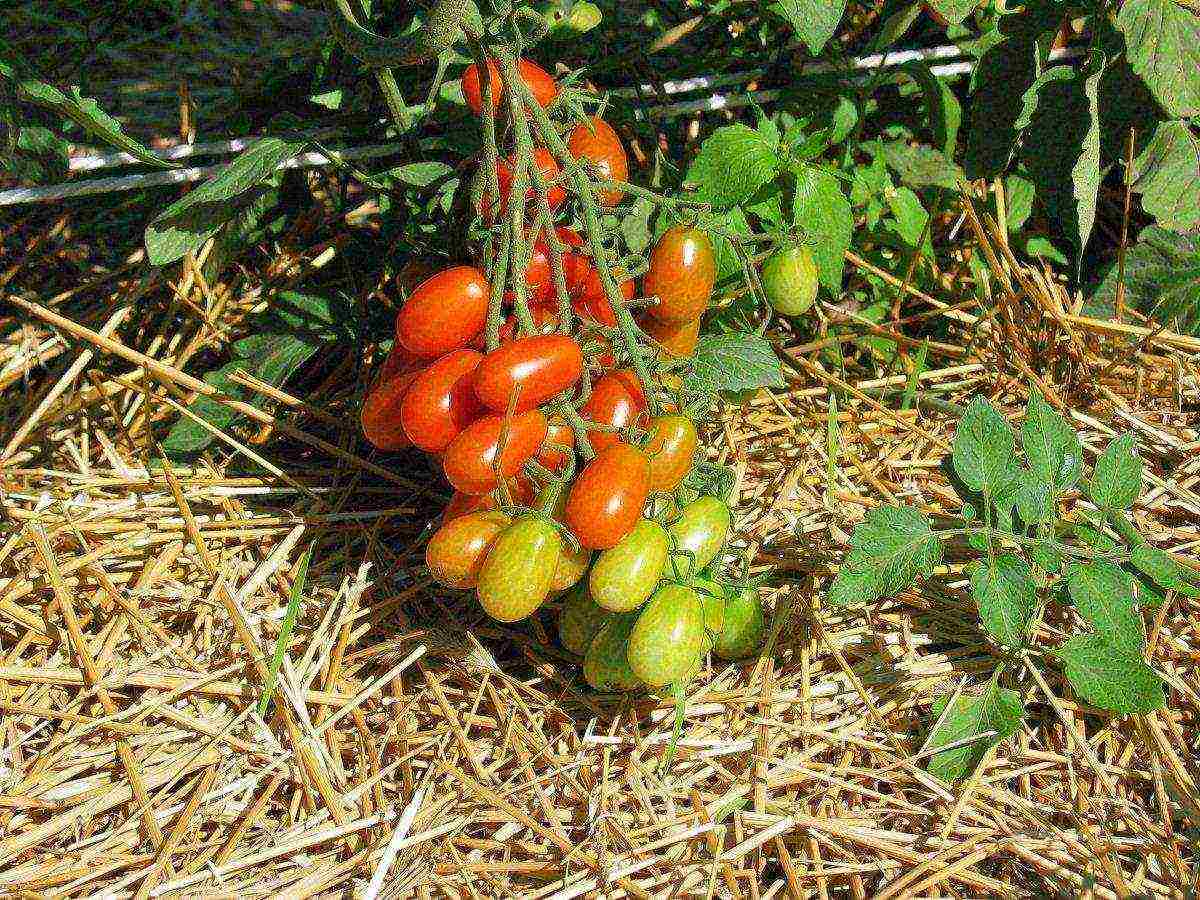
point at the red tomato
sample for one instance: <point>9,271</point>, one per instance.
<point>671,447</point>
<point>575,261</point>
<point>543,159</point>
<point>441,401</point>
<point>617,399</point>
<point>399,362</point>
<point>461,504</point>
<point>682,270</point>
<point>445,312</point>
<point>594,301</point>
<point>540,83</point>
<point>532,368</point>
<point>606,499</point>
<point>470,460</point>
<point>545,320</point>
<point>600,144</point>
<point>380,414</point>
<point>456,552</point>
<point>553,458</point>
<point>676,338</point>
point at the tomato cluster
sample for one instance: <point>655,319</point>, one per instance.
<point>546,407</point>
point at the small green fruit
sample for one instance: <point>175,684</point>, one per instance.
<point>625,575</point>
<point>580,620</point>
<point>742,634</point>
<point>789,279</point>
<point>665,642</point>
<point>606,665</point>
<point>700,530</point>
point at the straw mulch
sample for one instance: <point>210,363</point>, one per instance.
<point>414,742</point>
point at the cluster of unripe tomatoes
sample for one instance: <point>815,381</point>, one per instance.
<point>568,467</point>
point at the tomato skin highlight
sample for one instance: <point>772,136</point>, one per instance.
<point>468,460</point>
<point>445,312</point>
<point>441,401</point>
<point>603,147</point>
<point>380,414</point>
<point>665,641</point>
<point>701,529</point>
<point>606,499</point>
<point>606,663</point>
<point>516,576</point>
<point>533,368</point>
<point>580,620</point>
<point>456,552</point>
<point>675,338</point>
<point>789,280</point>
<point>743,626</point>
<point>626,574</point>
<point>540,83</point>
<point>617,399</point>
<point>671,448</point>
<point>683,269</point>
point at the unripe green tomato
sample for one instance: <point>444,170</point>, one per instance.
<point>519,569</point>
<point>700,529</point>
<point>580,620</point>
<point>789,279</point>
<point>742,633</point>
<point>606,664</point>
<point>665,642</point>
<point>713,598</point>
<point>625,575</point>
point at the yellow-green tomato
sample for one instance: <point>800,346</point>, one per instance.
<point>625,575</point>
<point>742,633</point>
<point>699,531</point>
<point>665,642</point>
<point>713,597</point>
<point>606,664</point>
<point>789,279</point>
<point>571,566</point>
<point>581,618</point>
<point>519,570</point>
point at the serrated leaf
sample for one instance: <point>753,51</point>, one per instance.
<point>1006,596</point>
<point>1110,678</point>
<point>1162,278</point>
<point>996,709</point>
<point>983,449</point>
<point>734,362</point>
<point>891,548</point>
<point>919,166</point>
<point>823,213</point>
<point>733,163</point>
<point>1117,479</point>
<point>1103,594</point>
<point>814,21</point>
<point>1167,175</point>
<point>1159,567</point>
<point>1163,41</point>
<point>1051,445</point>
<point>954,11</point>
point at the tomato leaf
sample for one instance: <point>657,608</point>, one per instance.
<point>983,449</point>
<point>814,21</point>
<point>1117,478</point>
<point>733,163</point>
<point>822,211</point>
<point>990,717</point>
<point>1167,175</point>
<point>734,362</point>
<point>1109,677</point>
<point>888,552</point>
<point>1163,39</point>
<point>1004,591</point>
<point>1162,277</point>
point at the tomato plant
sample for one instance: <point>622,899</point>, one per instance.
<point>580,620</point>
<point>470,461</point>
<point>671,448</point>
<point>698,533</point>
<point>596,142</point>
<point>675,338</point>
<point>741,631</point>
<point>606,500</point>
<point>606,663</point>
<point>789,280</point>
<point>617,401</point>
<point>682,271</point>
<point>540,83</point>
<point>380,415</point>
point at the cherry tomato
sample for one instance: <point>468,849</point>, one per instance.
<point>742,630</point>
<point>665,641</point>
<point>606,663</point>
<point>445,312</point>
<point>606,499</point>
<point>380,416</point>
<point>470,458</point>
<point>600,144</point>
<point>538,274</point>
<point>516,576</point>
<point>544,160</point>
<point>625,575</point>
<point>713,597</point>
<point>681,275</point>
<point>441,401</point>
<point>554,458</point>
<point>617,400</point>
<point>671,448</point>
<point>398,362</point>
<point>532,369</point>
<point>461,504</point>
<point>593,301</point>
<point>675,338</point>
<point>580,620</point>
<point>575,262</point>
<point>789,279</point>
<point>540,83</point>
<point>699,534</point>
<point>571,566</point>
<point>456,552</point>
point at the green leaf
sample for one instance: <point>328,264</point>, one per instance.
<point>1051,445</point>
<point>421,174</point>
<point>1159,567</point>
<point>822,211</point>
<point>897,25</point>
<point>1006,596</point>
<point>891,548</point>
<point>1162,278</point>
<point>1103,594</point>
<point>814,21</point>
<point>910,215</point>
<point>1019,196</point>
<point>1167,175</point>
<point>734,362</point>
<point>1046,556</point>
<point>192,219</point>
<point>1163,40</point>
<point>1110,678</point>
<point>954,11</point>
<point>920,166</point>
<point>983,449</point>
<point>995,712</point>
<point>1117,479</point>
<point>1033,498</point>
<point>945,113</point>
<point>733,163</point>
<point>285,630</point>
<point>635,227</point>
<point>39,155</point>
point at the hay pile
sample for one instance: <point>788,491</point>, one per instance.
<point>420,746</point>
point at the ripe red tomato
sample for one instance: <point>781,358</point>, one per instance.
<point>540,83</point>
<point>470,460</point>
<point>544,160</point>
<point>671,447</point>
<point>617,399</point>
<point>445,312</point>
<point>533,369</point>
<point>557,432</point>
<point>606,499</point>
<point>380,416</point>
<point>601,145</point>
<point>593,302</point>
<point>398,362</point>
<point>456,552</point>
<point>441,401</point>
<point>682,270</point>
<point>675,338</point>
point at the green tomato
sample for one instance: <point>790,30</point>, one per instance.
<point>700,530</point>
<point>713,597</point>
<point>742,633</point>
<point>580,620</point>
<point>665,642</point>
<point>519,570</point>
<point>606,664</point>
<point>625,575</point>
<point>789,279</point>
